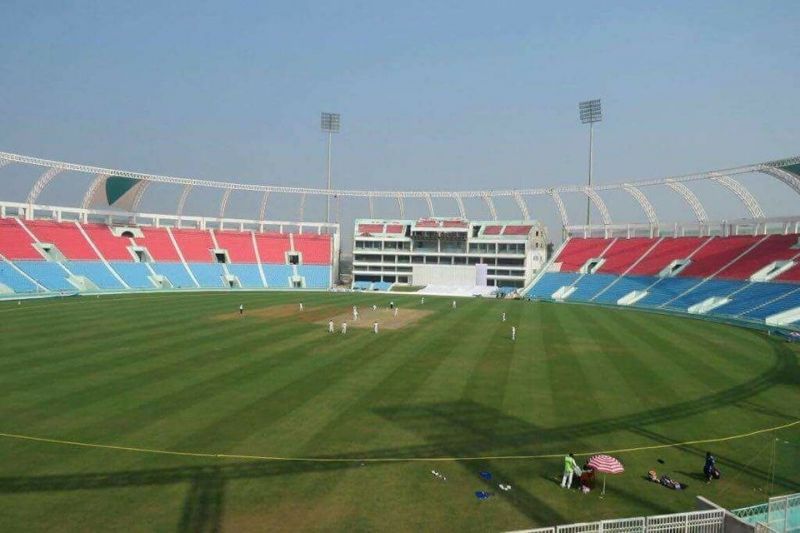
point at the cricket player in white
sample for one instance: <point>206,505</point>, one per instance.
<point>330,326</point>
<point>344,328</point>
<point>513,333</point>
<point>504,317</point>
<point>241,309</point>
<point>301,306</point>
<point>375,327</point>
<point>374,307</point>
<point>394,312</point>
<point>422,301</point>
<point>355,313</point>
<point>454,304</point>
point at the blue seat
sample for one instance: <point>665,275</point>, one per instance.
<point>316,276</point>
<point>789,301</point>
<point>248,275</point>
<point>362,285</point>
<point>96,271</point>
<point>703,291</point>
<point>176,274</point>
<point>623,286</point>
<point>278,276</point>
<point>136,275</point>
<point>665,290</point>
<point>550,282</point>
<point>754,295</point>
<point>14,280</point>
<point>381,286</point>
<point>209,275</point>
<point>48,274</point>
<point>589,285</point>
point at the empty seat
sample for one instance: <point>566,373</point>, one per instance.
<point>238,244</point>
<point>65,236</point>
<point>703,291</point>
<point>50,275</point>
<point>715,255</point>
<point>208,275</point>
<point>176,274</point>
<point>96,271</point>
<point>278,276</point>
<point>623,286</point>
<point>789,301</point>
<point>316,276</point>
<point>15,243</point>
<point>669,249</point>
<point>194,244</point>
<point>272,247</point>
<point>248,275</point>
<point>136,275</point>
<point>159,244</point>
<point>14,280</point>
<point>589,285</point>
<point>579,250</point>
<point>624,253</point>
<point>754,295</point>
<point>550,282</point>
<point>666,289</point>
<point>111,247</point>
<point>315,249</point>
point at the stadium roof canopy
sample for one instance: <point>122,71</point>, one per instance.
<point>124,189</point>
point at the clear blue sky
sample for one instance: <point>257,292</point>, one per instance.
<point>432,95</point>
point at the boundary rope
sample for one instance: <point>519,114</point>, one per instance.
<point>381,459</point>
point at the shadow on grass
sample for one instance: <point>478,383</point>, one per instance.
<point>457,429</point>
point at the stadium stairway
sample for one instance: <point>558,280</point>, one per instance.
<point>136,275</point>
<point>278,276</point>
<point>176,274</point>
<point>316,276</point>
<point>248,275</point>
<point>49,274</point>
<point>96,272</point>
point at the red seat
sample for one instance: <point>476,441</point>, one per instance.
<point>492,230</point>
<point>315,249</point>
<point>793,274</point>
<point>665,252</point>
<point>394,228</point>
<point>238,244</point>
<point>15,243</point>
<point>579,250</point>
<point>111,247</point>
<point>774,248</point>
<point>517,230</point>
<point>624,253</point>
<point>158,243</point>
<point>366,229</point>
<point>716,254</point>
<point>65,236</point>
<point>195,244</point>
<point>272,247</point>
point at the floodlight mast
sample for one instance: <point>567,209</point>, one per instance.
<point>330,124</point>
<point>590,112</point>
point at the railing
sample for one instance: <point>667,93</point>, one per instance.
<point>710,521</point>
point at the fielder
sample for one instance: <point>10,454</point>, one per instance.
<point>394,312</point>
<point>375,327</point>
<point>422,301</point>
<point>355,313</point>
<point>374,307</point>
<point>330,326</point>
<point>504,317</point>
<point>301,306</point>
<point>344,328</point>
<point>513,333</point>
<point>241,309</point>
<point>454,304</point>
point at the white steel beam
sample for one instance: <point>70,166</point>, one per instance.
<point>786,177</point>
<point>742,192</point>
<point>523,207</point>
<point>371,207</point>
<point>562,211</point>
<point>87,197</point>
<point>647,207</point>
<point>429,201</point>
<point>262,210</point>
<point>690,198</point>
<point>462,212</point>
<point>182,201</point>
<point>490,204</point>
<point>401,205</point>
<point>599,204</point>
<point>302,206</point>
<point>223,204</point>
<point>140,194</point>
<point>46,177</point>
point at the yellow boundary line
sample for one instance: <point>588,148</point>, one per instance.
<point>382,459</point>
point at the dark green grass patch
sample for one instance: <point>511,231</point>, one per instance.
<point>162,371</point>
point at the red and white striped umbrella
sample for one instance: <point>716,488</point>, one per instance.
<point>606,464</point>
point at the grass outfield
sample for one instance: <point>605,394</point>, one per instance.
<point>182,372</point>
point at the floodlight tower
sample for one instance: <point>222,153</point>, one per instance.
<point>590,112</point>
<point>330,125</point>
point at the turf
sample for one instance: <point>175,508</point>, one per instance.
<point>178,372</point>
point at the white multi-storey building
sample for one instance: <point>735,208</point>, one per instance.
<point>447,251</point>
